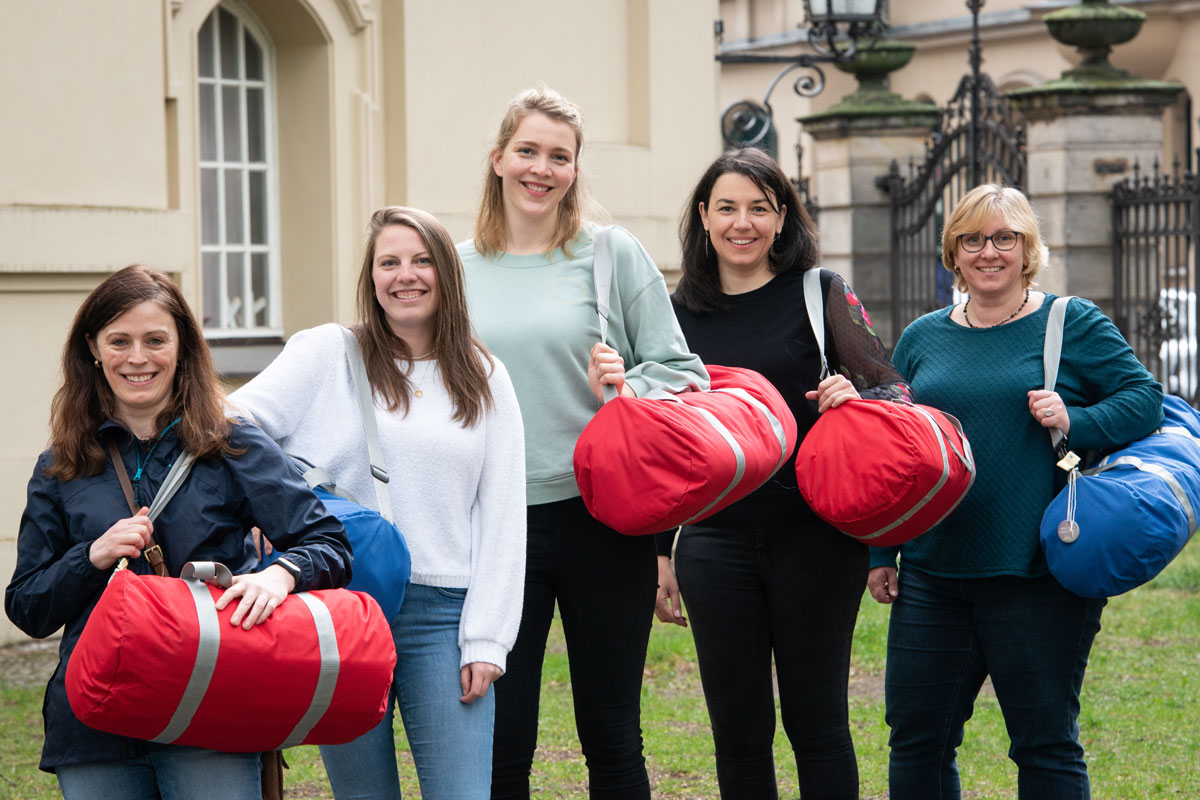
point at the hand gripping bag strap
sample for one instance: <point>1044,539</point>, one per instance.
<point>1052,353</point>
<point>602,272</point>
<point>1051,356</point>
<point>179,471</point>
<point>814,301</point>
<point>366,409</point>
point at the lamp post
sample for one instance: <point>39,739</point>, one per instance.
<point>837,29</point>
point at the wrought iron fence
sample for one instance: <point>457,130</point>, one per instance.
<point>1156,249</point>
<point>979,139</point>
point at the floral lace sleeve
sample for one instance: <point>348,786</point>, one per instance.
<point>854,349</point>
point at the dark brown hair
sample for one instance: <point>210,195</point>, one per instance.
<point>85,399</point>
<point>455,346</point>
<point>699,289</point>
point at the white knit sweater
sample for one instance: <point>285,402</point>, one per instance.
<point>458,494</point>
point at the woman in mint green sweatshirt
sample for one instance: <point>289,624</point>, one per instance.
<point>974,597</point>
<point>532,300</point>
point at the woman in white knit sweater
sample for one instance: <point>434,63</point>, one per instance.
<point>453,447</point>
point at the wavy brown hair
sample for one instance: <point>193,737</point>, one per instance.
<point>577,204</point>
<point>459,353</point>
<point>85,399</point>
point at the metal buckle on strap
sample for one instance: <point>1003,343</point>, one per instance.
<point>154,557</point>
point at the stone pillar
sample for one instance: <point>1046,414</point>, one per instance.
<point>1078,145</point>
<point>1085,131</point>
<point>854,143</point>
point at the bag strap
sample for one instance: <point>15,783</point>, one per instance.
<point>114,453</point>
<point>814,301</point>
<point>366,410</point>
<point>602,273</point>
<point>1052,355</point>
<point>179,471</point>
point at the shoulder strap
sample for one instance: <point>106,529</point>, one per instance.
<point>602,272</point>
<point>1052,353</point>
<point>366,409</point>
<point>175,478</point>
<point>814,301</point>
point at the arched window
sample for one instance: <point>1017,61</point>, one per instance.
<point>238,176</point>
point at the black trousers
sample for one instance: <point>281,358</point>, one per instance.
<point>792,593</point>
<point>604,584</point>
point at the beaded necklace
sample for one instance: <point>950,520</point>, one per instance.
<point>1009,318</point>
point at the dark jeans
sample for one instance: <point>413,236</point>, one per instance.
<point>605,585</point>
<point>946,635</point>
<point>788,591</point>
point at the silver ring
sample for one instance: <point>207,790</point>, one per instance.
<point>1048,412</point>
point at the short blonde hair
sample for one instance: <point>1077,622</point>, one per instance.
<point>577,204</point>
<point>974,209</point>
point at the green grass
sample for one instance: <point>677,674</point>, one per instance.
<point>1140,722</point>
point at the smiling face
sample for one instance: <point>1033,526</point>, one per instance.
<point>139,353</point>
<point>406,286</point>
<point>537,167</point>
<point>991,271</point>
<point>742,221</point>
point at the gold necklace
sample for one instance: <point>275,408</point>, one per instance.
<point>417,389</point>
<point>1009,318</point>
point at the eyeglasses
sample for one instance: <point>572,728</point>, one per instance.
<point>1001,240</point>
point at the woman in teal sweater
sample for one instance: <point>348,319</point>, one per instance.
<point>974,596</point>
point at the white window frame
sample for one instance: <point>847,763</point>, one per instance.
<point>223,325</point>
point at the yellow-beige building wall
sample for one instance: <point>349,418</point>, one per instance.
<point>372,102</point>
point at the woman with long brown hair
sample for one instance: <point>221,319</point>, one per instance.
<point>450,432</point>
<point>139,391</point>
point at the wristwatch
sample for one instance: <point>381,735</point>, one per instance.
<point>291,567</point>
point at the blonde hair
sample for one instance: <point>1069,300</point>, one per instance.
<point>459,354</point>
<point>975,208</point>
<point>577,204</point>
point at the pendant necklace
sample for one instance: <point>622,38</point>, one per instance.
<point>1009,318</point>
<point>417,389</point>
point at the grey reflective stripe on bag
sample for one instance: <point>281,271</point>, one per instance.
<point>965,456</point>
<point>197,575</point>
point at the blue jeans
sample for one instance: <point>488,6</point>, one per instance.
<point>451,741</point>
<point>785,592</point>
<point>945,636</point>
<point>604,584</point>
<point>169,773</point>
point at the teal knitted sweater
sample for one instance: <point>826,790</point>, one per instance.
<point>982,376</point>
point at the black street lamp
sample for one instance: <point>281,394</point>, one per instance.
<point>837,29</point>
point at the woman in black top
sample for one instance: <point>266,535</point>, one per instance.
<point>765,577</point>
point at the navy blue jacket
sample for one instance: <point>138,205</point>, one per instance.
<point>55,586</point>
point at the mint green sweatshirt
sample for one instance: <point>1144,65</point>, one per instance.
<point>538,315</point>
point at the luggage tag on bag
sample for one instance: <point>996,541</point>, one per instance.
<point>1068,462</point>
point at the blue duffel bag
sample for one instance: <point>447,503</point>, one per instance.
<point>1119,523</point>
<point>382,565</point>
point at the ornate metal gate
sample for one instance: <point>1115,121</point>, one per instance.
<point>977,140</point>
<point>1156,251</point>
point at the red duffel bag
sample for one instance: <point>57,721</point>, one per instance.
<point>884,472</point>
<point>648,464</point>
<point>157,661</point>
